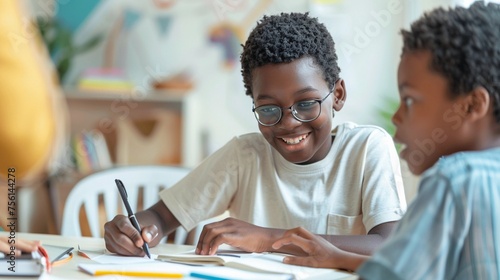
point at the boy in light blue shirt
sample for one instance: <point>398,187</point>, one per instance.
<point>449,125</point>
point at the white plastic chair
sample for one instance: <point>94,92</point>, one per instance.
<point>88,190</point>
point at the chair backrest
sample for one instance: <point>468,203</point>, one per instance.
<point>150,178</point>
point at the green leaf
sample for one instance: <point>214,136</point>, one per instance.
<point>60,45</point>
<point>89,44</point>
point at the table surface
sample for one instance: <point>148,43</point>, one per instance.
<point>69,270</point>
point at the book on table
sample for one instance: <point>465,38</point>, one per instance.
<point>254,262</point>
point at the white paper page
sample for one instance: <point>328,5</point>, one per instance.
<point>104,257</point>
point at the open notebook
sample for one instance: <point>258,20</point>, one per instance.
<point>254,262</point>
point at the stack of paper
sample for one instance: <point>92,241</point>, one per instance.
<point>228,264</point>
<point>105,80</point>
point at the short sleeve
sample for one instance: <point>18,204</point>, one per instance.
<point>426,238</point>
<point>383,191</point>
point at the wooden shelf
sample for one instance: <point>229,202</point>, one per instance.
<point>88,110</point>
<point>152,96</point>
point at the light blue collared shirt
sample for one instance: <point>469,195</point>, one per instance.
<point>452,229</point>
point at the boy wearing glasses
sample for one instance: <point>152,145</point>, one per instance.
<point>449,84</point>
<point>344,184</point>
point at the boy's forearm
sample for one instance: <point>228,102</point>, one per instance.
<point>359,244</point>
<point>363,244</point>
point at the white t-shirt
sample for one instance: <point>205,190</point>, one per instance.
<point>357,186</point>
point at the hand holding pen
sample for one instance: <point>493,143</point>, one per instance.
<point>131,215</point>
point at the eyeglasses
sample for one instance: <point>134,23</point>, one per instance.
<point>304,111</point>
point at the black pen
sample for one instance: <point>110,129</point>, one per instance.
<point>131,215</point>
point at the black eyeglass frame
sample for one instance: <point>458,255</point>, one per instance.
<point>320,101</point>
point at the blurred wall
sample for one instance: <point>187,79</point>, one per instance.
<point>367,40</point>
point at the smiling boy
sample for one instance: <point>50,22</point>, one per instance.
<point>341,181</point>
<point>449,125</point>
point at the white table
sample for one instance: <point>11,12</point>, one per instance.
<point>69,270</point>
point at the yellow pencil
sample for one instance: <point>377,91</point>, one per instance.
<point>139,274</point>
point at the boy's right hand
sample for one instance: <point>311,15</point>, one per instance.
<point>122,238</point>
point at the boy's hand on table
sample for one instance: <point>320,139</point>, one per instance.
<point>122,238</point>
<point>20,244</point>
<point>236,233</point>
<point>319,252</point>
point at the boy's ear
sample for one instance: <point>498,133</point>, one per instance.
<point>478,104</point>
<point>339,95</point>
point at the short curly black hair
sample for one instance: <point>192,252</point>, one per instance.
<point>465,47</point>
<point>284,38</point>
